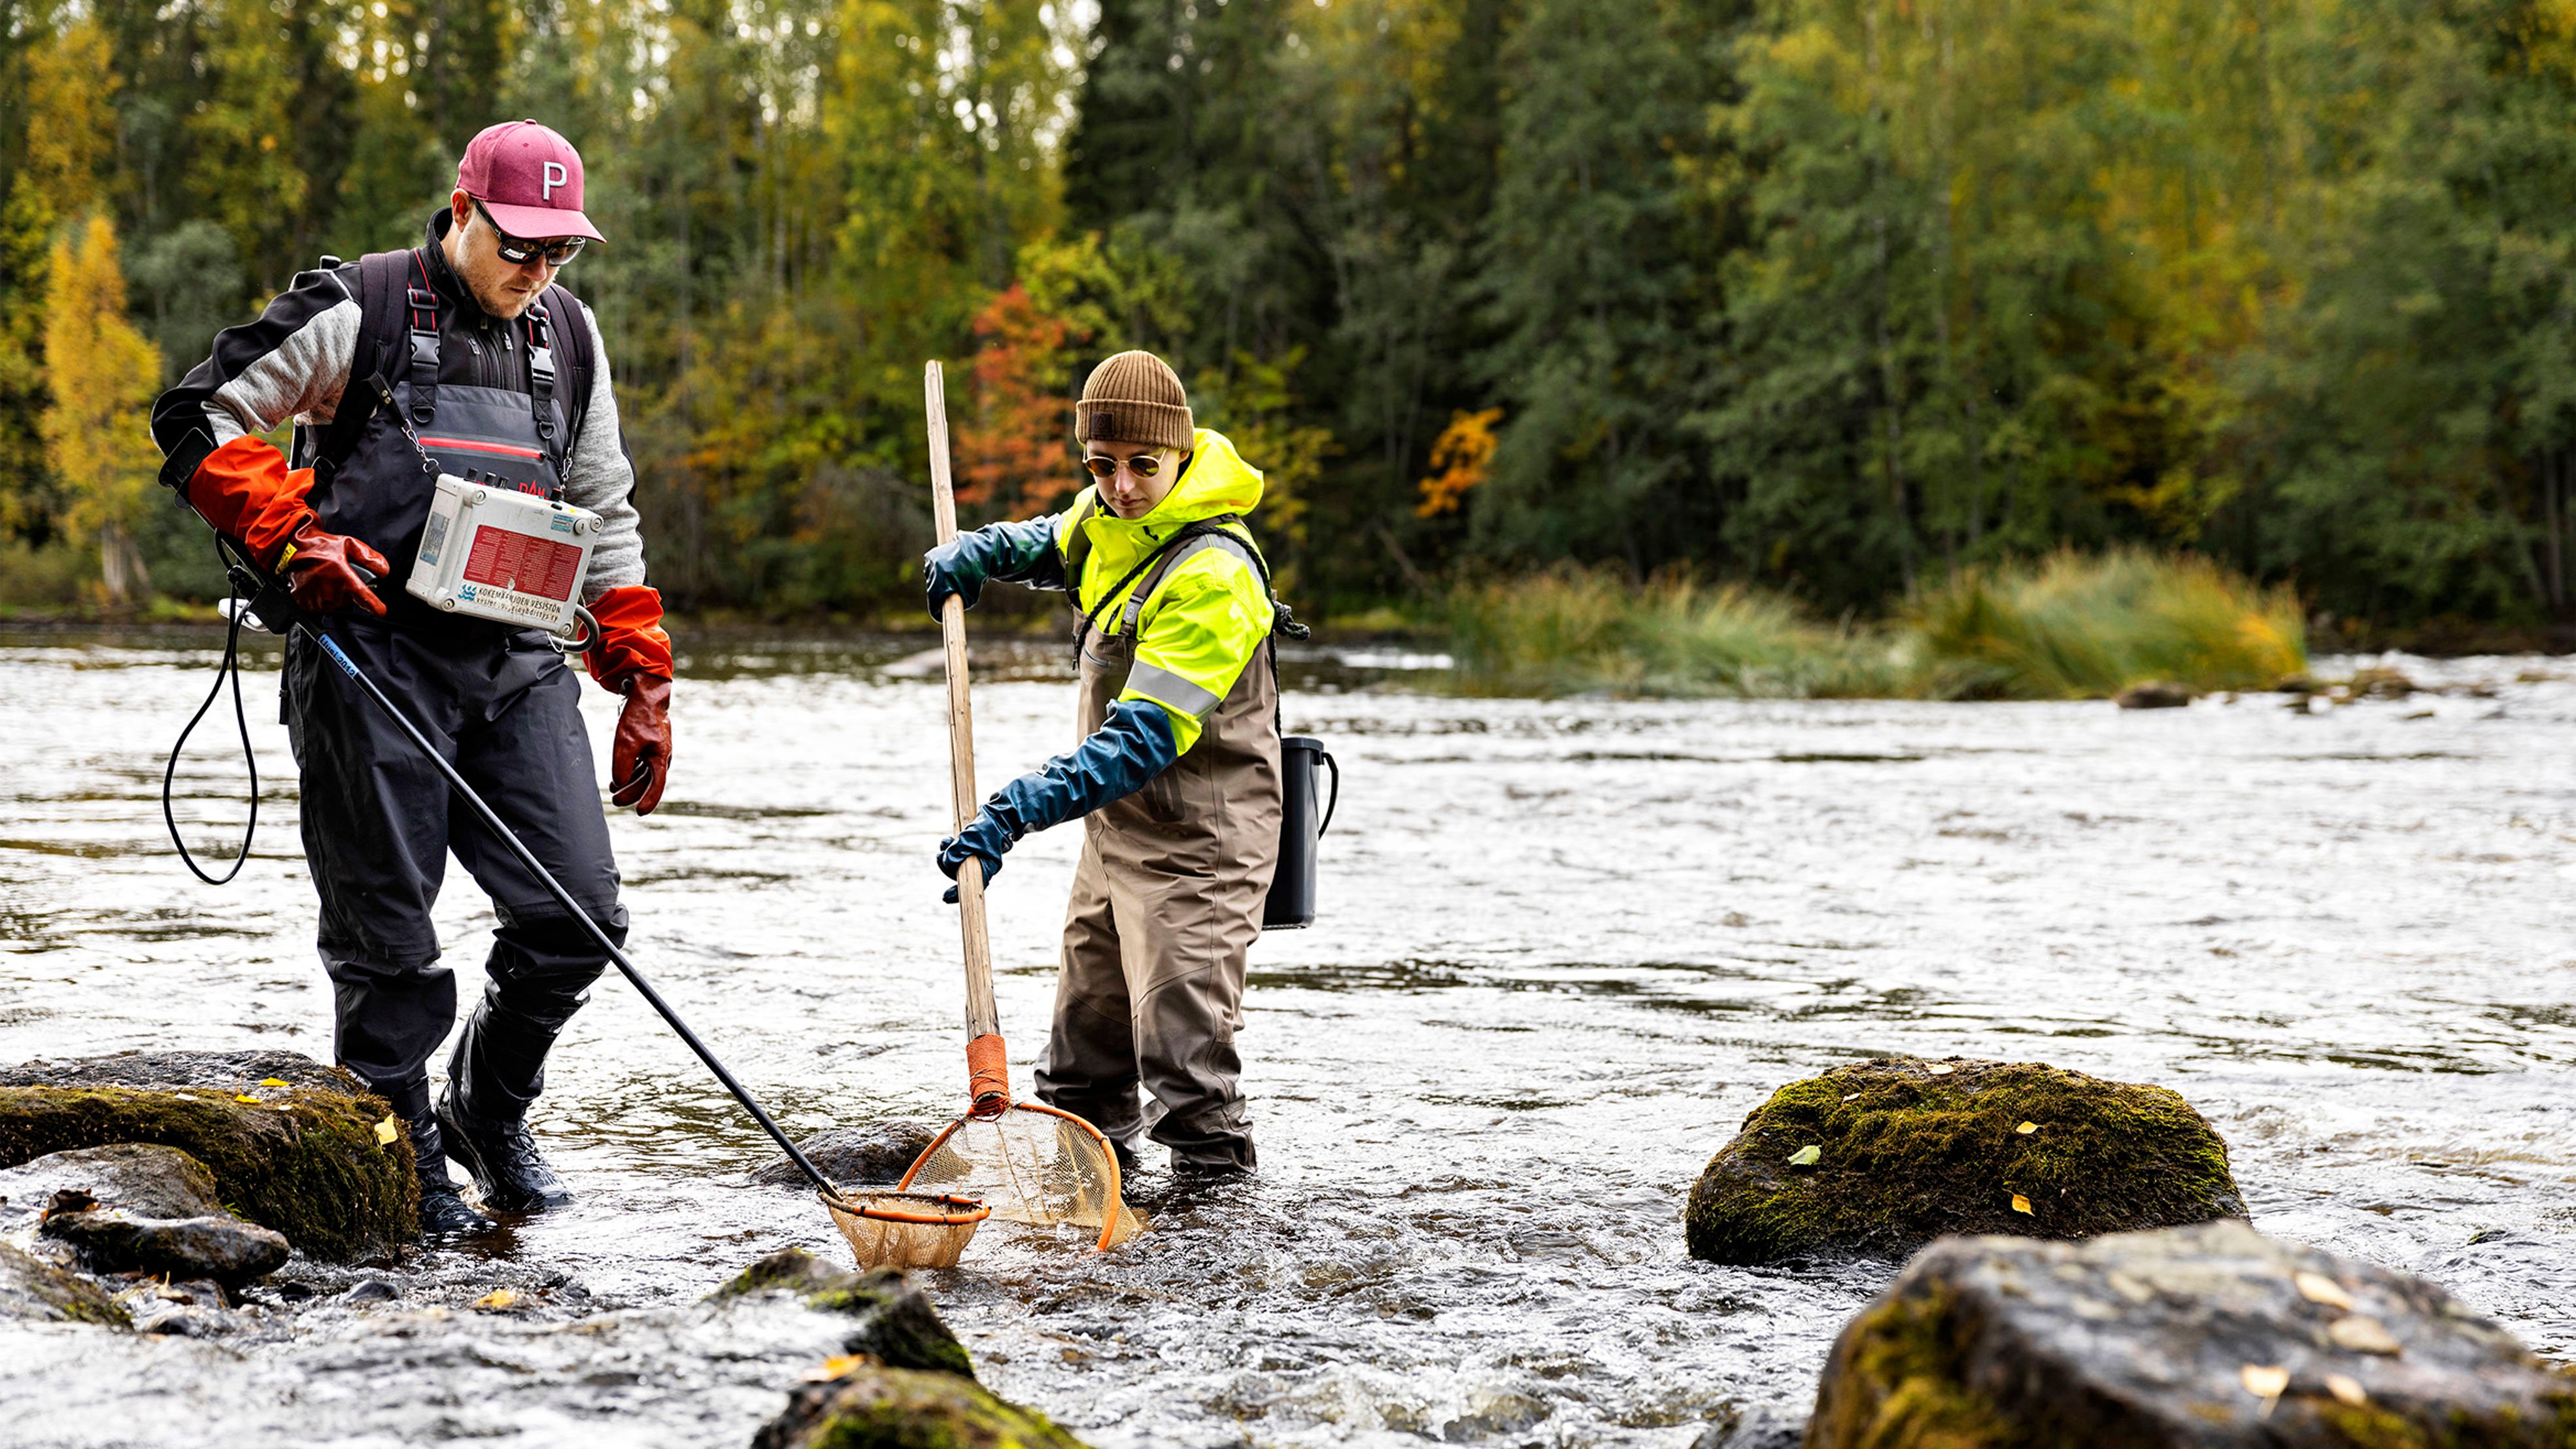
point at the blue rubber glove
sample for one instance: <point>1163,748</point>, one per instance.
<point>1132,746</point>
<point>1012,552</point>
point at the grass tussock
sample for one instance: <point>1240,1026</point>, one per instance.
<point>2068,627</point>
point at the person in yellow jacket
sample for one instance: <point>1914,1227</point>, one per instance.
<point>1176,777</point>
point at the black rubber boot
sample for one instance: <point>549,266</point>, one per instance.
<point>503,1158</point>
<point>444,1217</point>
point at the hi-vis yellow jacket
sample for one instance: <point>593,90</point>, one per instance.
<point>1198,630</point>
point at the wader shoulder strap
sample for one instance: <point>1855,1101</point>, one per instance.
<point>383,279</point>
<point>562,364</point>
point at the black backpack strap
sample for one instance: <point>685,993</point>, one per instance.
<point>420,305</point>
<point>382,278</point>
<point>559,366</point>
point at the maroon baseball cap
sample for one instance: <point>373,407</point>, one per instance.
<point>529,178</point>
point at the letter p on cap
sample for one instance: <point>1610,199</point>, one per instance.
<point>555,176</point>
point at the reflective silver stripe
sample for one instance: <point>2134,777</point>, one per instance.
<point>1180,556</point>
<point>1164,687</point>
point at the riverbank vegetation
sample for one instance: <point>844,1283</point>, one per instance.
<point>2066,627</point>
<point>1825,301</point>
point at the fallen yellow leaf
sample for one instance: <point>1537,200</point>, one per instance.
<point>2022,1205</point>
<point>272,1081</point>
<point>245,1097</point>
<point>2347,1390</point>
<point>2318,1288</point>
<point>2264,1381</point>
<point>2363,1335</point>
<point>838,1365</point>
<point>386,1132</point>
<point>1806,1156</point>
<point>2027,1128</point>
<point>498,1298</point>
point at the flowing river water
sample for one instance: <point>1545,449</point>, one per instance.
<point>1565,947</point>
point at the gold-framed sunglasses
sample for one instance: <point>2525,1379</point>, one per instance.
<point>519,253</point>
<point>1101,465</point>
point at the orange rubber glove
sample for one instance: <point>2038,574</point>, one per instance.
<point>322,571</point>
<point>245,490</point>
<point>633,658</point>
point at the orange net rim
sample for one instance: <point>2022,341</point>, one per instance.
<point>951,1212</point>
<point>1117,1189</point>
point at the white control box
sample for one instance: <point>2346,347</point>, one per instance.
<point>499,554</point>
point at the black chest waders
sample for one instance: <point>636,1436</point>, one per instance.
<point>264,598</point>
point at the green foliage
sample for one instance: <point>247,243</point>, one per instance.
<point>1832,299</point>
<point>2068,627</point>
<point>2081,628</point>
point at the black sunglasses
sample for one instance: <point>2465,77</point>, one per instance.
<point>519,253</point>
<point>1101,465</point>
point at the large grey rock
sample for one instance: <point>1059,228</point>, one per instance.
<point>142,1178</point>
<point>1884,1156</point>
<point>867,1407</point>
<point>35,1291</point>
<point>293,1145</point>
<point>2210,1336</point>
<point>216,1245</point>
<point>215,1071</point>
<point>876,1154</point>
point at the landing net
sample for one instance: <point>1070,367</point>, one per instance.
<point>1030,1163</point>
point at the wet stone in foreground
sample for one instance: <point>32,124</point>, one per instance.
<point>2210,1336</point>
<point>1884,1156</point>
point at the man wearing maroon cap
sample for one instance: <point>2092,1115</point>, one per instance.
<point>461,356</point>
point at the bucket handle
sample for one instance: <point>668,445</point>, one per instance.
<point>1335,803</point>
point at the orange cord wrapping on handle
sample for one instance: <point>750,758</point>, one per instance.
<point>988,1074</point>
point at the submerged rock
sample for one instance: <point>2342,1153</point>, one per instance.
<point>32,1290</point>
<point>141,1178</point>
<point>310,1159</point>
<point>867,1407</point>
<point>2154,694</point>
<point>1884,1156</point>
<point>874,1155</point>
<point>2210,1336</point>
<point>217,1246</point>
<point>897,1324</point>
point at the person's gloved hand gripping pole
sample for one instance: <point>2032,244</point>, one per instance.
<point>247,493</point>
<point>633,658</point>
<point>1133,745</point>
<point>1019,553</point>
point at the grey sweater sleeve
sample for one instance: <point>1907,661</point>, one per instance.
<point>601,477</point>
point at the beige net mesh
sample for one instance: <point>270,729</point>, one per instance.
<point>905,1229</point>
<point>1031,1164</point>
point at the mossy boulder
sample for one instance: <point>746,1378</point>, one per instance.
<point>308,1159</point>
<point>2210,1337</point>
<point>35,1291</point>
<point>896,1323</point>
<point>870,1155</point>
<point>868,1407</point>
<point>1884,1156</point>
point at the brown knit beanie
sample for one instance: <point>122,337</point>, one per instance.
<point>1134,398</point>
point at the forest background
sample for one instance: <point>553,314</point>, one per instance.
<point>1833,298</point>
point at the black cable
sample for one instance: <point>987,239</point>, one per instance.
<point>230,669</point>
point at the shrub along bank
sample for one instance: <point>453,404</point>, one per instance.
<point>2067,627</point>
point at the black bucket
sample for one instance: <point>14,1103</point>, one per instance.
<point>1301,825</point>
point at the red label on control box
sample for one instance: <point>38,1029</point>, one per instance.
<point>506,559</point>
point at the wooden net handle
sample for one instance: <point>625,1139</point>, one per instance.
<point>983,1019</point>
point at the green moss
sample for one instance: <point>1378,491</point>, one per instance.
<point>788,1269</point>
<point>1906,1156</point>
<point>888,1408</point>
<point>306,1163</point>
<point>1895,1383</point>
<point>31,1288</point>
<point>897,1323</point>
